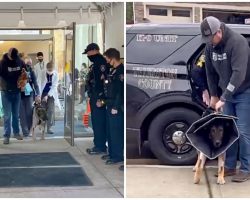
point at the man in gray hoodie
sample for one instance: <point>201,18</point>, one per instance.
<point>228,67</point>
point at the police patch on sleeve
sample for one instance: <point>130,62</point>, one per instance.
<point>122,77</point>
<point>103,68</point>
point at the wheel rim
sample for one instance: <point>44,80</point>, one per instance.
<point>174,138</point>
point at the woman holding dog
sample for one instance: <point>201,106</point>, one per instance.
<point>30,90</point>
<point>228,66</point>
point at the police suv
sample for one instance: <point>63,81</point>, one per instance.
<point>161,99</point>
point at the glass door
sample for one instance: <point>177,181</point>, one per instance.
<point>69,86</point>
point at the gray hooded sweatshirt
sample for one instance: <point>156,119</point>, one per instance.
<point>228,65</point>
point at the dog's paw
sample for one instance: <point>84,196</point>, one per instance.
<point>194,169</point>
<point>221,181</point>
<point>197,179</point>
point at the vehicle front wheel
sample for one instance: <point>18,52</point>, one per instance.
<point>167,138</point>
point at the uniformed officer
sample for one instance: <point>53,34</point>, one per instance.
<point>198,75</point>
<point>96,78</point>
<point>115,105</point>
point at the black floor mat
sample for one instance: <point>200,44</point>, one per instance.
<point>41,170</point>
<point>43,177</point>
<point>37,159</point>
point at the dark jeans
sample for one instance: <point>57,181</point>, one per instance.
<point>98,118</point>
<point>26,110</point>
<point>116,134</point>
<point>240,107</point>
<point>11,105</point>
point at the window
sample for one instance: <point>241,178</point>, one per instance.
<point>158,11</point>
<point>181,13</point>
<point>153,49</point>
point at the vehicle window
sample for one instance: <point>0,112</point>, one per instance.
<point>153,49</point>
<point>129,37</point>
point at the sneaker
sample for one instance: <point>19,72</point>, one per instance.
<point>50,131</point>
<point>95,151</point>
<point>121,168</point>
<point>228,172</point>
<point>18,137</point>
<point>25,134</point>
<point>106,157</point>
<point>114,161</point>
<point>6,140</point>
<point>241,177</point>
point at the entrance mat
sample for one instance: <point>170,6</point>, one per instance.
<point>43,177</point>
<point>37,159</point>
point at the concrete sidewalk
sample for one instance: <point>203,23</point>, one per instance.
<point>107,180</point>
<point>171,181</point>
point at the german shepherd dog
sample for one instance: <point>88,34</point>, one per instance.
<point>39,119</point>
<point>216,133</point>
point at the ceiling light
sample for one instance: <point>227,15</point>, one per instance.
<point>89,11</point>
<point>21,23</point>
<point>62,23</point>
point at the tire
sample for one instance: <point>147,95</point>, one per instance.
<point>168,149</point>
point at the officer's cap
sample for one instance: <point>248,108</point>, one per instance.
<point>90,47</point>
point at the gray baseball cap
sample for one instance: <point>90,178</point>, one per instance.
<point>209,26</point>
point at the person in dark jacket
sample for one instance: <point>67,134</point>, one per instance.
<point>228,67</point>
<point>10,70</point>
<point>198,75</point>
<point>96,78</point>
<point>27,96</point>
<point>115,105</point>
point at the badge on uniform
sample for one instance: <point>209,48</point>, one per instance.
<point>103,68</point>
<point>122,77</point>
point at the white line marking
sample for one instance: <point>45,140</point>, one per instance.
<point>165,166</point>
<point>34,167</point>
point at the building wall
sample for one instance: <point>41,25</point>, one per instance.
<point>114,28</point>
<point>27,47</point>
<point>197,11</point>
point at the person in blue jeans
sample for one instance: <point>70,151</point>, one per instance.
<point>30,91</point>
<point>10,70</point>
<point>227,62</point>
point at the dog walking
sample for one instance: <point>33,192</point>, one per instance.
<point>227,62</point>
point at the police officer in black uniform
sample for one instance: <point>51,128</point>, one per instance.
<point>96,77</point>
<point>115,104</point>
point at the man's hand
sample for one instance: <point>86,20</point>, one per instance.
<point>45,99</point>
<point>38,99</point>
<point>114,111</point>
<point>219,105</point>
<point>213,101</point>
<point>205,97</point>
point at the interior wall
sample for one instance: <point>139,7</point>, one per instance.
<point>27,47</point>
<point>114,28</point>
<point>48,19</point>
